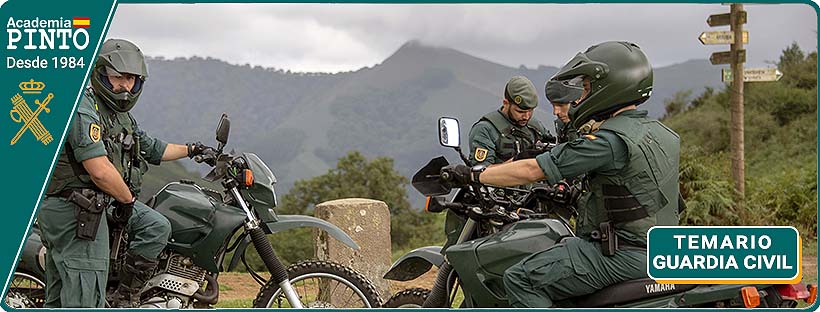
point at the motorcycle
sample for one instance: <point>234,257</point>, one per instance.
<point>206,226</point>
<point>501,230</point>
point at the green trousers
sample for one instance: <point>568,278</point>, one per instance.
<point>573,268</point>
<point>76,270</point>
<point>148,231</point>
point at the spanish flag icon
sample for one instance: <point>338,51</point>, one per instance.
<point>81,22</point>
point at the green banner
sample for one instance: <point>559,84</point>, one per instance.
<point>719,254</point>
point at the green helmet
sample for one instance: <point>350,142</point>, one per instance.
<point>619,73</point>
<point>117,57</point>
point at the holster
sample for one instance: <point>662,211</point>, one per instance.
<point>609,240</point>
<point>88,211</point>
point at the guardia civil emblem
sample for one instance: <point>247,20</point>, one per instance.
<point>480,154</point>
<point>94,132</point>
<point>22,113</point>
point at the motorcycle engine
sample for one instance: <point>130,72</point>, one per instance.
<point>174,283</point>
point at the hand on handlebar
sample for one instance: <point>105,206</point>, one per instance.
<point>208,155</point>
<point>456,175</point>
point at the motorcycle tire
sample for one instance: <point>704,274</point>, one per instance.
<point>411,298</point>
<point>25,291</point>
<point>309,276</point>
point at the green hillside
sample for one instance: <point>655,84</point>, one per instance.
<point>302,123</point>
<point>780,150</point>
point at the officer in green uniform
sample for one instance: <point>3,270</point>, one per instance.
<point>504,133</point>
<point>103,159</point>
<point>561,94</point>
<point>631,166</point>
<point>501,135</point>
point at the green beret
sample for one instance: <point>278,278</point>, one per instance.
<point>520,91</point>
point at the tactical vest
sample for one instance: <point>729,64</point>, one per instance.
<point>645,192</point>
<point>121,143</point>
<point>512,139</point>
<point>564,132</point>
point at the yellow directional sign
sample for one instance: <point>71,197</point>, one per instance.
<point>726,57</point>
<point>754,74</point>
<point>721,37</point>
<point>724,19</point>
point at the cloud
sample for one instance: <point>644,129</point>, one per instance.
<point>339,37</point>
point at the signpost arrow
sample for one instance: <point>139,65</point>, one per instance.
<point>725,57</point>
<point>724,19</point>
<point>721,37</point>
<point>754,74</point>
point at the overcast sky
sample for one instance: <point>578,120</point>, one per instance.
<point>342,37</point>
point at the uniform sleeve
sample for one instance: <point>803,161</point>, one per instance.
<point>150,148</point>
<point>85,133</point>
<point>603,153</point>
<point>482,143</point>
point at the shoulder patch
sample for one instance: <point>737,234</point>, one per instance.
<point>480,154</point>
<point>590,136</point>
<point>94,132</point>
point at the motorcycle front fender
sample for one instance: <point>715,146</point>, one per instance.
<point>287,222</point>
<point>415,263</point>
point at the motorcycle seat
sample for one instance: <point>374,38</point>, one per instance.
<point>628,291</point>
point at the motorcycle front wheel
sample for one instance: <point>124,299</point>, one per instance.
<point>321,284</point>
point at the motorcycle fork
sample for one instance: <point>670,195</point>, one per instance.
<point>279,272</point>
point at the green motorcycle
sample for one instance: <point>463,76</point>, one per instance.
<point>505,225</point>
<point>206,226</point>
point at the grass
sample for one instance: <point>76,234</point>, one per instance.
<point>223,287</point>
<point>235,303</point>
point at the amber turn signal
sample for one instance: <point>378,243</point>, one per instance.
<point>812,294</point>
<point>751,298</point>
<point>248,177</point>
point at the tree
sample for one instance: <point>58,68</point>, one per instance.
<point>355,176</point>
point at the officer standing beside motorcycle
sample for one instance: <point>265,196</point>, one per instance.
<point>504,133</point>
<point>631,166</point>
<point>501,135</point>
<point>103,159</point>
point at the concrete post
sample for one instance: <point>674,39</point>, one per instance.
<point>367,221</point>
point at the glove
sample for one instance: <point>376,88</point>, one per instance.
<point>122,211</point>
<point>458,175</point>
<point>195,149</point>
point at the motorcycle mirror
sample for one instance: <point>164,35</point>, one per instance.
<point>448,132</point>
<point>223,129</point>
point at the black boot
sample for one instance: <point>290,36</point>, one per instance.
<point>133,275</point>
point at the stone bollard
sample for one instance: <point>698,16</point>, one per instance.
<point>367,221</point>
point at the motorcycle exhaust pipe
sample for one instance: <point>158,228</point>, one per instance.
<point>211,293</point>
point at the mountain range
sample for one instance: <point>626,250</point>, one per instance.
<point>300,123</point>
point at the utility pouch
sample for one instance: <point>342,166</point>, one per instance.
<point>88,210</point>
<point>609,240</point>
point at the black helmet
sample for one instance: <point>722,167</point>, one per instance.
<point>117,57</point>
<point>619,75</point>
